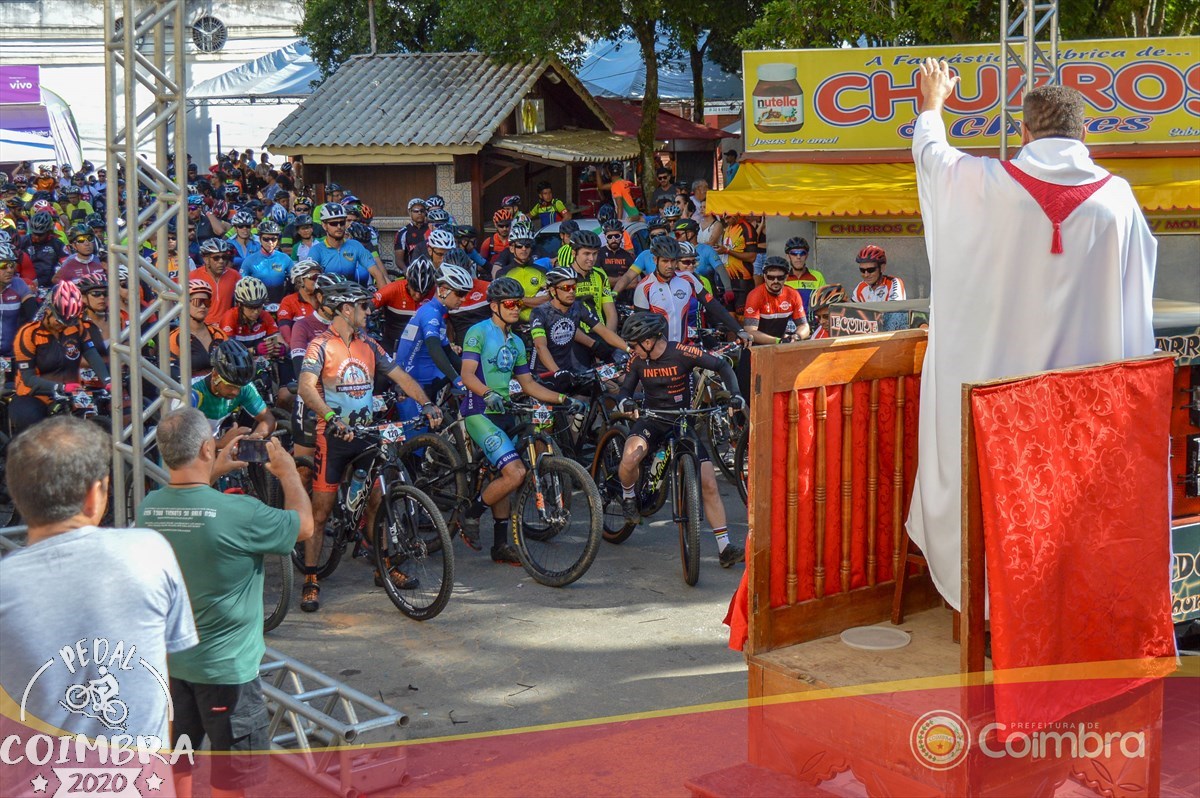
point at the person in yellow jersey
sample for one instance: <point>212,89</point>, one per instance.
<point>517,262</point>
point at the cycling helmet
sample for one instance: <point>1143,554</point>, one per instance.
<point>360,233</point>
<point>332,187</point>
<point>664,247</point>
<point>570,227</point>
<point>585,239</point>
<point>435,201</point>
<point>198,287</point>
<point>671,212</point>
<point>438,216</point>
<point>365,212</point>
<point>502,215</point>
<point>459,257</point>
<point>250,291</point>
<point>605,213</point>
<point>7,253</point>
<point>796,242</point>
<point>232,362</point>
<point>442,239</point>
<point>776,262</point>
<point>687,249</point>
<point>332,210</point>
<point>417,202</point>
<point>92,280</point>
<point>505,288</point>
<point>73,190</point>
<point>825,296</point>
<point>279,215</point>
<point>658,224</point>
<point>96,222</point>
<point>351,202</point>
<point>41,205</point>
<point>511,201</point>
<point>642,325</point>
<point>520,232</point>
<point>328,280</point>
<point>122,274</point>
<point>78,230</point>
<point>613,226</point>
<point>215,246</point>
<point>304,220</point>
<point>420,275</point>
<point>66,301</point>
<point>872,254</point>
<point>195,201</point>
<point>465,231</point>
<point>305,268</point>
<point>268,227</point>
<point>686,226</point>
<point>561,274</point>
<point>522,218</point>
<point>343,293</point>
<point>42,222</point>
<point>242,219</point>
<point>455,277</point>
<point>303,201</point>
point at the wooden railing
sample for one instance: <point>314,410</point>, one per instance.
<point>832,461</point>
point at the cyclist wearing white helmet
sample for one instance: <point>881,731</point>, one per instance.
<point>339,254</point>
<point>18,304</point>
<point>245,242</point>
<point>402,298</point>
<point>269,264</point>
<point>303,300</point>
<point>412,235</point>
<point>204,334</point>
<point>248,323</point>
<point>217,272</point>
<point>424,350</point>
<point>440,242</point>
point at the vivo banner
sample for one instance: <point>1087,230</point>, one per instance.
<point>20,84</point>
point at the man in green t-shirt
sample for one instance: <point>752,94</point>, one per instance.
<point>220,541</point>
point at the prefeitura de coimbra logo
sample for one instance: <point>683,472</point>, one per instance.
<point>939,740</point>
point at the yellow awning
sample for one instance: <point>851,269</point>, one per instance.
<point>877,190</point>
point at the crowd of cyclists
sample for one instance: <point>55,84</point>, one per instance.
<point>298,323</point>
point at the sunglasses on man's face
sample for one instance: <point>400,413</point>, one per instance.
<point>82,240</point>
<point>798,252</point>
<point>521,246</point>
<point>269,239</point>
<point>364,305</point>
<point>773,278</point>
<point>201,303</point>
<point>242,226</point>
<point>510,304</point>
<point>97,293</point>
<point>8,264</point>
<point>687,261</point>
<point>613,235</point>
<point>336,224</point>
<point>459,294</point>
<point>868,269</point>
<point>226,258</point>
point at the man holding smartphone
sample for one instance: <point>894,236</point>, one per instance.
<point>228,388</point>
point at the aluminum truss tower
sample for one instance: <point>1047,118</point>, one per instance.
<point>1028,45</point>
<point>144,93</point>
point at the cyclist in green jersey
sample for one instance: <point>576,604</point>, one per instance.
<point>521,268</point>
<point>492,357</point>
<point>802,278</point>
<point>229,388</point>
<point>593,289</point>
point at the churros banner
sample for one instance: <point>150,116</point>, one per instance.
<point>1139,91</point>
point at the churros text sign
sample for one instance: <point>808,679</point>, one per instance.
<point>1139,91</point>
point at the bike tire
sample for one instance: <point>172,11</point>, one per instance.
<point>604,473</point>
<point>564,555</point>
<point>279,580</point>
<point>741,466</point>
<point>436,467</point>
<point>415,533</point>
<point>687,511</point>
<point>722,433</point>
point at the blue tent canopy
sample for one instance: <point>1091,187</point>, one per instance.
<point>287,73</point>
<point>614,68</point>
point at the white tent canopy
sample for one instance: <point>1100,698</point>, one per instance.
<point>287,73</point>
<point>17,146</point>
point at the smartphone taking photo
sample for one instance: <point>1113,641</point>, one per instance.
<point>252,450</point>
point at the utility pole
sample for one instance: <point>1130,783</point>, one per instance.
<point>371,23</point>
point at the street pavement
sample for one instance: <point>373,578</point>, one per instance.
<point>508,653</point>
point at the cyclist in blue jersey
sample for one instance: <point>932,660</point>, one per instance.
<point>339,254</point>
<point>424,350</point>
<point>269,264</point>
<point>493,355</point>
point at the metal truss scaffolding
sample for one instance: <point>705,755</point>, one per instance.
<point>1029,46</point>
<point>144,92</point>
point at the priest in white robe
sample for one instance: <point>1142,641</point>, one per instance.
<point>1042,262</point>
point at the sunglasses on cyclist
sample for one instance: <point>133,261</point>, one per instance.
<point>522,245</point>
<point>221,257</point>
<point>242,226</point>
<point>459,294</point>
<point>201,303</point>
<point>8,264</point>
<point>774,278</point>
<point>613,235</point>
<point>82,240</point>
<point>336,224</point>
<point>688,261</point>
<point>566,287</point>
<point>868,269</point>
<point>98,292</point>
<point>510,304</point>
<point>268,239</point>
<point>797,252</point>
<point>364,305</point>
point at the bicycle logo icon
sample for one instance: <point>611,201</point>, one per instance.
<point>98,699</point>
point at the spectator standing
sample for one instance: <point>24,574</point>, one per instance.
<point>220,540</point>
<point>730,167</point>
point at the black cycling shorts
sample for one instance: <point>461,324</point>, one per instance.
<point>234,718</point>
<point>655,431</point>
<point>333,455</point>
<point>304,425</point>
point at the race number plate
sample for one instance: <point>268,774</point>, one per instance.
<point>514,387</point>
<point>82,401</point>
<point>5,365</point>
<point>606,372</point>
<point>87,375</point>
<point>542,414</point>
<point>378,404</point>
<point>392,433</point>
<point>272,308</point>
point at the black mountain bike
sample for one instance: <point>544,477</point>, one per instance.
<point>410,533</point>
<point>673,470</point>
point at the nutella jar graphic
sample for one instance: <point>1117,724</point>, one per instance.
<point>778,99</point>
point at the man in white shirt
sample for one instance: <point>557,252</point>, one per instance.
<point>1042,262</point>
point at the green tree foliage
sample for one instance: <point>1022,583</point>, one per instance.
<point>830,23</point>
<point>707,29</point>
<point>338,29</point>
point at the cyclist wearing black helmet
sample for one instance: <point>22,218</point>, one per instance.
<point>548,210</point>
<point>493,355</point>
<point>562,329</point>
<point>643,264</point>
<point>617,254</point>
<point>83,261</point>
<point>669,292</point>
<point>401,298</point>
<point>337,380</point>
<point>663,369</point>
<point>802,278</point>
<point>565,255</point>
<point>43,246</point>
<point>228,389</point>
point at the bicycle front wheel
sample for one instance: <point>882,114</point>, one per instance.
<point>436,468</point>
<point>557,521</point>
<point>278,581</point>
<point>687,516</point>
<point>411,539</point>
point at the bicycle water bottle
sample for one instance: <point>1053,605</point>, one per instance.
<point>356,491</point>
<point>658,467</point>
